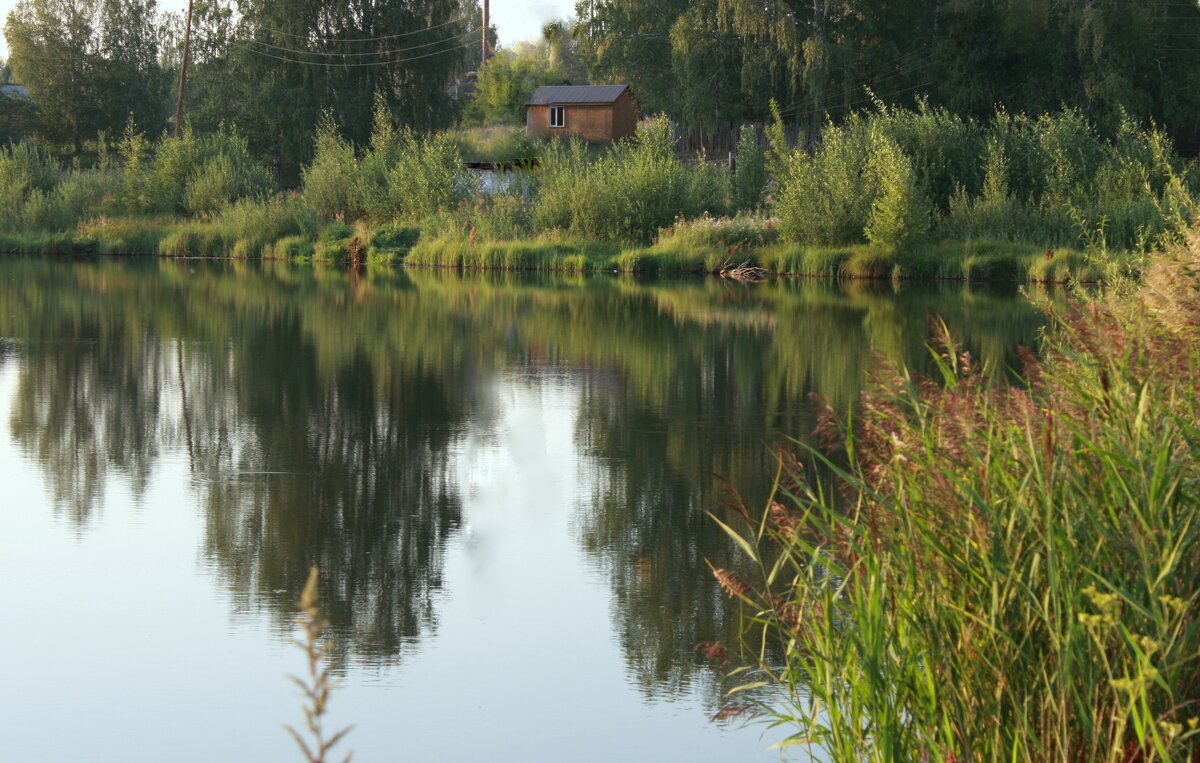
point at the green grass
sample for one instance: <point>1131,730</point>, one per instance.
<point>548,253</point>
<point>999,572</point>
<point>703,246</point>
<point>497,143</point>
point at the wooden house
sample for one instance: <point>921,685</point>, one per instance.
<point>596,113</point>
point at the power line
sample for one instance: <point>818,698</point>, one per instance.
<point>370,39</point>
<point>351,65</point>
<point>395,51</point>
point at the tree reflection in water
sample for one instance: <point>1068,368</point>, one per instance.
<point>323,409</point>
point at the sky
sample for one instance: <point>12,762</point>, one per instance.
<point>514,20</point>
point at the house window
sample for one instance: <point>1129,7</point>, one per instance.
<point>558,116</point>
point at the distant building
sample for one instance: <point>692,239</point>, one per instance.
<point>596,113</point>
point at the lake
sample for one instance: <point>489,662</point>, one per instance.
<point>502,477</point>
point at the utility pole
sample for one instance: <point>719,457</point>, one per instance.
<point>187,43</point>
<point>486,23</point>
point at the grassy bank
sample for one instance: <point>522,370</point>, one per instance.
<point>279,232</point>
<point>887,194</point>
<point>1004,572</point>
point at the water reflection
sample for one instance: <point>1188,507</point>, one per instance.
<point>319,413</point>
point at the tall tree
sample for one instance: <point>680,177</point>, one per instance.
<point>287,61</point>
<point>629,41</point>
<point>90,65</point>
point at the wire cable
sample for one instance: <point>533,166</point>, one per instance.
<point>350,65</point>
<point>372,39</point>
<point>395,51</point>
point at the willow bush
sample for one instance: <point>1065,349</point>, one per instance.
<point>1051,181</point>
<point>401,176</point>
<point>639,187</point>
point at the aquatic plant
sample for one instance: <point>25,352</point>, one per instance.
<point>1002,571</point>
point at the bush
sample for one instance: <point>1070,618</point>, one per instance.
<point>25,170</point>
<point>402,175</point>
<point>191,173</point>
<point>1051,181</point>
<point>898,213</point>
<point>222,180</point>
<point>331,182</point>
<point>750,172</point>
<point>428,177</point>
<point>631,192</point>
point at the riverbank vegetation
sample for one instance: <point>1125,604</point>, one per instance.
<point>1003,571</point>
<point>879,142</point>
<point>937,195</point>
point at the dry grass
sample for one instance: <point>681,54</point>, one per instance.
<point>317,684</point>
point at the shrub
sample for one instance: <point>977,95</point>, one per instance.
<point>888,175</point>
<point>631,192</point>
<point>750,171</point>
<point>898,212</point>
<point>427,177</point>
<point>331,182</point>
<point>402,175</point>
<point>25,169</point>
<point>219,162</point>
<point>222,180</point>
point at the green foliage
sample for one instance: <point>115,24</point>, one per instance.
<point>898,213</point>
<point>507,81</point>
<point>498,143</point>
<point>253,224</point>
<point>90,66</point>
<point>825,197</point>
<point>221,180</point>
<point>1053,181</point>
<point>742,232</point>
<point>545,253</point>
<point>191,173</point>
<point>428,177</point>
<point>25,169</point>
<point>712,62</point>
<point>402,176</point>
<point>331,182</point>
<point>274,67</point>
<point>750,172</point>
<point>1001,572</point>
<point>629,193</point>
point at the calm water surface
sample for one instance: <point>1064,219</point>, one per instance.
<point>502,478</point>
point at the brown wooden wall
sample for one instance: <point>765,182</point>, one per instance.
<point>594,122</point>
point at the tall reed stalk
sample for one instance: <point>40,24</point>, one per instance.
<point>317,685</point>
<point>1006,572</point>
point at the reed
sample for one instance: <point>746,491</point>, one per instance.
<point>317,684</point>
<point>1000,572</point>
<point>548,252</point>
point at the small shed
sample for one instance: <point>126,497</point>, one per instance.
<point>596,113</point>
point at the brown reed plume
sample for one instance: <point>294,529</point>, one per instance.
<point>317,688</point>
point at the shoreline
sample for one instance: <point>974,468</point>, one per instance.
<point>935,261</point>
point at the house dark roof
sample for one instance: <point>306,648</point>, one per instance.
<point>550,95</point>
